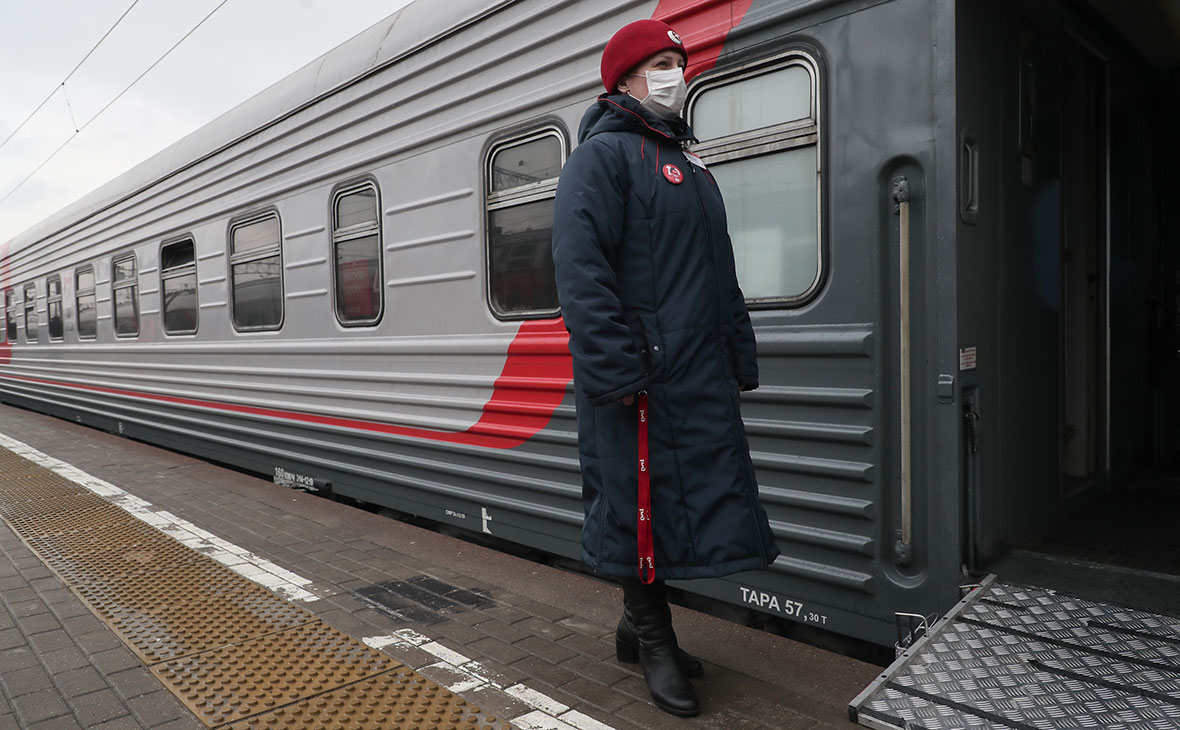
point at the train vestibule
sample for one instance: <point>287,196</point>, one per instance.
<point>1068,280</point>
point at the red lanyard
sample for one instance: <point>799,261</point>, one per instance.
<point>647,556</point>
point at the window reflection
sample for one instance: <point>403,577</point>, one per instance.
<point>759,137</point>
<point>522,258</point>
<point>753,103</point>
<point>180,304</point>
<point>32,327</point>
<point>178,287</point>
<point>125,296</point>
<point>357,241</point>
<point>256,274</point>
<point>258,293</point>
<point>86,306</point>
<point>771,206</point>
<point>10,314</point>
<point>53,307</point>
<point>522,184</point>
<point>526,163</point>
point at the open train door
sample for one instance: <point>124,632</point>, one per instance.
<point>1068,250</point>
<point>1067,259</point>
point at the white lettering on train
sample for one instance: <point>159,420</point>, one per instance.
<point>285,478</point>
<point>780,604</point>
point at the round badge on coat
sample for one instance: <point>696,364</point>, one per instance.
<point>673,174</point>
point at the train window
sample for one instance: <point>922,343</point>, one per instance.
<point>86,302</point>
<point>30,301</point>
<point>10,314</point>
<point>178,287</point>
<point>53,306</point>
<point>125,295</point>
<point>760,132</point>
<point>522,181</point>
<point>356,243</point>
<point>256,273</point>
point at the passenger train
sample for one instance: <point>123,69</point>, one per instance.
<point>952,220</point>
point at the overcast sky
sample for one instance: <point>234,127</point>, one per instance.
<point>244,47</point>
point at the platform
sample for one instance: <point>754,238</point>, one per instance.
<point>334,599</point>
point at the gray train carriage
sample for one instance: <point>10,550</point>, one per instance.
<point>951,221</point>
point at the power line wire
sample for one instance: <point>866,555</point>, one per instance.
<point>71,73</point>
<point>79,130</point>
<point>154,64</point>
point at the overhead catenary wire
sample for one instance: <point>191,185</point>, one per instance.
<point>110,103</point>
<point>62,85</point>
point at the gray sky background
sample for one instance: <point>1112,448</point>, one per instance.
<point>243,48</point>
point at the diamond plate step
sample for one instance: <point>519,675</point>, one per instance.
<point>1032,659</point>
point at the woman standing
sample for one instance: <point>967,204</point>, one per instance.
<point>662,344</point>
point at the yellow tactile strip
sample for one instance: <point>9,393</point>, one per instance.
<point>233,652</point>
<point>399,699</point>
<point>310,660</point>
<point>117,550</point>
<point>168,630</point>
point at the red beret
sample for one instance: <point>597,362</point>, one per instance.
<point>634,43</point>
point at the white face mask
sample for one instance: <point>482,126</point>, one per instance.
<point>666,92</point>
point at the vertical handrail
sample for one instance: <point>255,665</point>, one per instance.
<point>901,199</point>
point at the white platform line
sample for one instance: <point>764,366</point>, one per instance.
<point>242,561</point>
<point>547,713</point>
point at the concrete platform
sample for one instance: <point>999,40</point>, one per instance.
<point>528,643</point>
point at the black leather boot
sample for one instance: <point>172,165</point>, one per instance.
<point>627,646</point>
<point>652,621</point>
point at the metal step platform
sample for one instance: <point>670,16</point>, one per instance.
<point>1032,659</point>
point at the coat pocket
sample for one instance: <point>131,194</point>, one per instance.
<point>655,345</point>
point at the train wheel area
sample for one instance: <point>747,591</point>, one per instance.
<point>144,588</point>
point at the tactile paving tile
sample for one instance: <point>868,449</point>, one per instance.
<point>237,681</point>
<point>167,631</point>
<point>67,515</point>
<point>399,699</point>
<point>118,550</point>
<point>231,647</point>
<point>30,487</point>
<point>176,584</point>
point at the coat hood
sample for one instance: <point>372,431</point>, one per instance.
<point>623,113</point>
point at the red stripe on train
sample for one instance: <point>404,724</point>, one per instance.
<point>704,25</point>
<point>524,399</point>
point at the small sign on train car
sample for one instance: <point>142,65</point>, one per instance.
<point>302,482</point>
<point>967,358</point>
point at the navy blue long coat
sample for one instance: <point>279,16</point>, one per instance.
<point>649,294</point>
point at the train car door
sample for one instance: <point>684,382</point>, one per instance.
<point>1085,250</point>
<point>1060,282</point>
